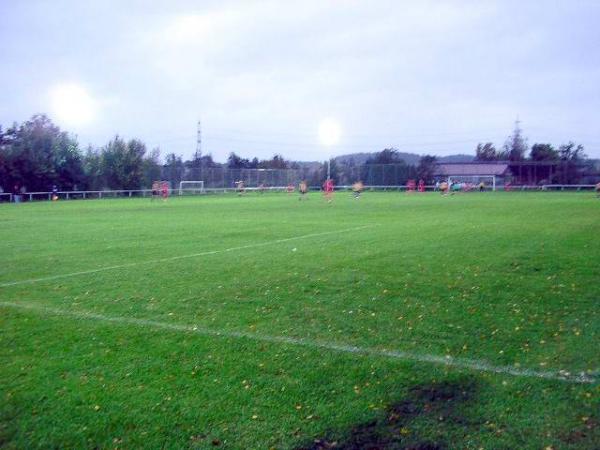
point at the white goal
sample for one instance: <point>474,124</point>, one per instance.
<point>475,180</point>
<point>191,187</point>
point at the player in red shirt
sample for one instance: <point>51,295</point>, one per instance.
<point>164,190</point>
<point>328,189</point>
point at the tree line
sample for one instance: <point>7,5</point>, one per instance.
<point>544,163</point>
<point>36,155</point>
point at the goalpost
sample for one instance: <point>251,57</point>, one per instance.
<point>191,187</point>
<point>475,180</point>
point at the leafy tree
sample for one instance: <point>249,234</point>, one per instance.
<point>92,169</point>
<point>386,156</point>
<point>543,152</point>
<point>277,162</point>
<point>487,152</point>
<point>195,162</point>
<point>387,168</point>
<point>151,168</point>
<point>426,168</point>
<point>572,153</point>
<point>316,177</point>
<point>237,162</point>
<point>206,161</point>
<point>5,166</point>
<point>394,173</point>
<point>68,164</point>
<point>31,153</point>
<point>197,166</point>
<point>174,169</point>
<point>122,163</point>
<point>515,146</point>
<point>572,159</point>
<point>37,154</point>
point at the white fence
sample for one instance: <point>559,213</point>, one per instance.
<point>74,195</point>
<point>567,187</point>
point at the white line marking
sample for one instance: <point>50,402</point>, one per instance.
<point>461,363</point>
<point>174,258</point>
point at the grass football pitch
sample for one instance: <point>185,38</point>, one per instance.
<point>392,321</point>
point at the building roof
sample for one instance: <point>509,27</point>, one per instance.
<point>472,169</point>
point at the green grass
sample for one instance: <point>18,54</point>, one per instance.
<point>508,279</point>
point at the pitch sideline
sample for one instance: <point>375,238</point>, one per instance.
<point>174,258</point>
<point>461,363</point>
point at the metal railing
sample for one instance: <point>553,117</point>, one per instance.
<point>562,187</point>
<point>137,193</point>
<point>72,195</point>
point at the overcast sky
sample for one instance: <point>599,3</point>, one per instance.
<point>427,77</point>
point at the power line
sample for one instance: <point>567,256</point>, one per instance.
<point>217,137</point>
<point>233,132</point>
<point>312,145</point>
<point>237,131</point>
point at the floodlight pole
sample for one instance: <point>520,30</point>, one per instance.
<point>328,168</point>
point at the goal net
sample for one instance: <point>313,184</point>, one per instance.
<point>191,187</point>
<point>475,181</point>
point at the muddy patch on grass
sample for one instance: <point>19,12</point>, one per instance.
<point>437,401</point>
<point>586,435</point>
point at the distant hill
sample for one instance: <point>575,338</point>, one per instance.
<point>361,158</point>
<point>409,158</point>
<point>357,158</point>
<point>310,166</point>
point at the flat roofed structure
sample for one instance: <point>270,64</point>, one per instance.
<point>475,172</point>
<point>498,169</point>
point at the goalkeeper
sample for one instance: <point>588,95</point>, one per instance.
<point>303,188</point>
<point>444,188</point>
<point>357,189</point>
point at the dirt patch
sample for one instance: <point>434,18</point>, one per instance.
<point>588,432</point>
<point>439,400</point>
